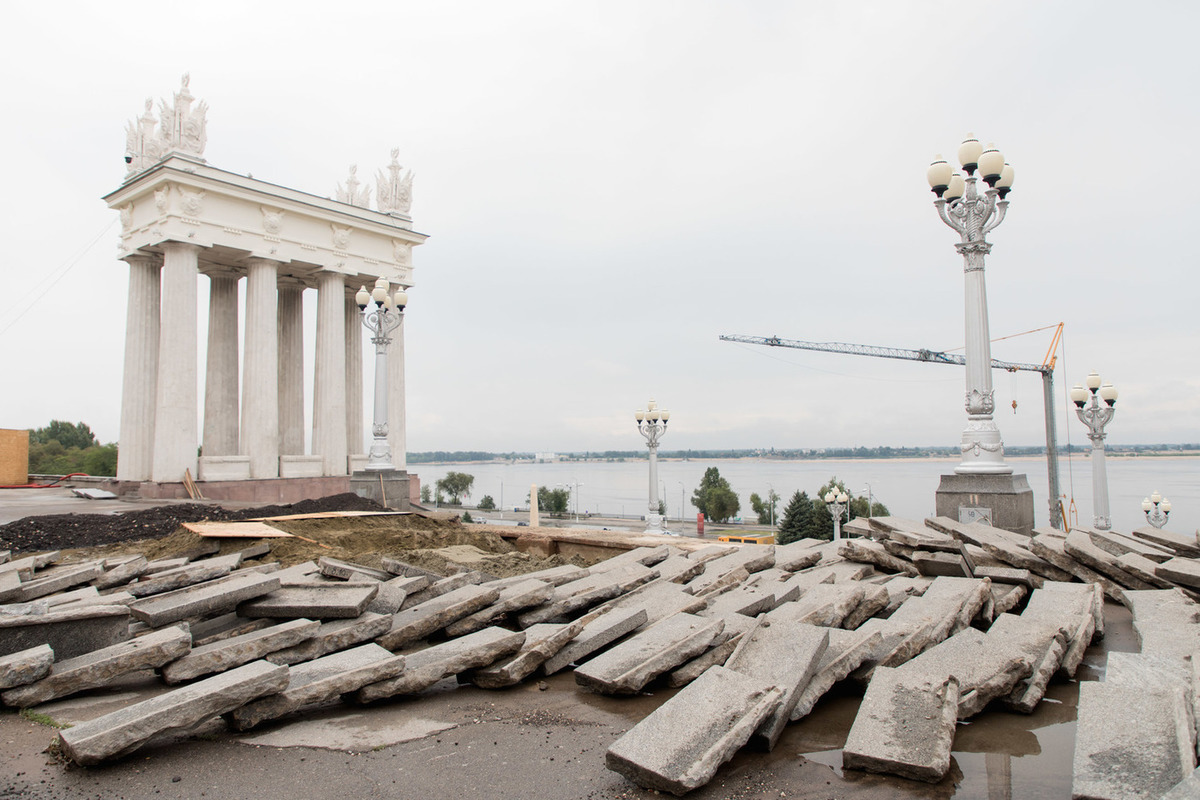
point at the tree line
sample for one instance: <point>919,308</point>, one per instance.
<point>61,448</point>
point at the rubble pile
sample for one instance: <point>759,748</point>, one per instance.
<point>936,621</point>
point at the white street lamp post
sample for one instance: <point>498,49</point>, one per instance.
<point>960,206</point>
<point>870,500</point>
<point>838,503</point>
<point>1096,417</point>
<point>652,424</point>
<point>680,500</point>
<point>1157,509</point>
<point>387,316</point>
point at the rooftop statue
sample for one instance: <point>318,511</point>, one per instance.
<point>180,129</point>
<point>393,193</point>
<point>350,193</point>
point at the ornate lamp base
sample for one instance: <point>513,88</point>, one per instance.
<point>654,523</point>
<point>1002,501</point>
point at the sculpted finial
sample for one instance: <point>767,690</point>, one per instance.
<point>350,193</point>
<point>393,192</point>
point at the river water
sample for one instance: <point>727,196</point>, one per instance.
<point>905,486</point>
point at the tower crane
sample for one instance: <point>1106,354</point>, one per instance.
<point>1046,368</point>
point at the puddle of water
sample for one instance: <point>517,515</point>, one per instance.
<point>999,755</point>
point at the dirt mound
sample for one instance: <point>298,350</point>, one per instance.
<point>62,531</point>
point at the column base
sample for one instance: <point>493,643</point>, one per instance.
<point>1002,501</point>
<point>389,488</point>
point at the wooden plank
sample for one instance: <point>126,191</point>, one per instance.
<point>335,514</point>
<point>236,530</point>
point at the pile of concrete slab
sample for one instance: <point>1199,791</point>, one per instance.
<point>935,622</point>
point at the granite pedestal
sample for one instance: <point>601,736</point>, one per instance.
<point>1006,498</point>
<point>389,487</point>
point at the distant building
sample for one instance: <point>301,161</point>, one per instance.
<point>545,458</point>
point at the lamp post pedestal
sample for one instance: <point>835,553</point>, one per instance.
<point>391,488</point>
<point>652,424</point>
<point>1002,501</point>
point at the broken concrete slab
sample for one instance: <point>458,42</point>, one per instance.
<point>933,564</point>
<point>1183,571</point>
<point>513,597</point>
<point>224,626</point>
<point>98,668</point>
<point>875,600</point>
<point>65,598</point>
<point>782,654</point>
<point>1010,575</point>
<point>320,680</point>
<point>412,624</point>
<point>443,586</point>
<point>334,636</point>
<point>42,586</point>
<point>750,557</point>
<point>826,604</point>
<point>1006,598</point>
<point>297,572</point>
<point>390,596</point>
<point>541,642</point>
<point>1145,755</point>
<point>864,551</point>
<point>707,583</point>
<point>681,744</point>
<point>570,598</point>
<point>335,568</point>
<point>26,666</point>
<point>1144,569</point>
<point>125,730</point>
<point>744,600</point>
<point>1183,545</point>
<point>661,599</point>
<point>69,631</point>
<point>1043,641</point>
<point>796,556</point>
<point>596,634</point>
<point>983,671</point>
<point>715,656</point>
<point>1151,672</point>
<point>313,601</point>
<point>555,576</point>
<point>905,726</point>
<point>628,667</point>
<point>1079,545</point>
<point>846,652</point>
<point>189,574</point>
<point>161,564</point>
<point>906,531</point>
<point>121,573</point>
<point>26,566</point>
<point>1187,789</point>
<point>645,556</point>
<point>426,667</point>
<point>1053,550</point>
<point>1117,545</point>
<point>237,650</point>
<point>202,599</point>
<point>679,569</point>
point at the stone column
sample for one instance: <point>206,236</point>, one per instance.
<point>141,370</point>
<point>175,424</point>
<point>260,378</point>
<point>291,367</point>
<point>221,369</point>
<point>329,381</point>
<point>354,376</point>
<point>397,440</point>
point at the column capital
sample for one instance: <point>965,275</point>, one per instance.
<point>259,260</point>
<point>143,259</point>
<point>291,282</point>
<point>185,247</point>
<point>219,271</point>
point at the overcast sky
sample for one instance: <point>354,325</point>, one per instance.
<point>610,186</point>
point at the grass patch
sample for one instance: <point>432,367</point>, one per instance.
<point>42,719</point>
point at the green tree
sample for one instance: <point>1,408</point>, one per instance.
<point>466,516</point>
<point>101,460</point>
<point>765,509</point>
<point>78,435</point>
<point>711,481</point>
<point>426,493</point>
<point>456,485</point>
<point>487,503</point>
<point>553,501</point>
<point>722,504</point>
<point>797,518</point>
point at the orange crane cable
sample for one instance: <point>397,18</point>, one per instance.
<point>1011,336</point>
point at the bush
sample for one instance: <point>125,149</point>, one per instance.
<point>487,503</point>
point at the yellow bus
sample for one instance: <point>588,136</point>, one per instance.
<point>762,538</point>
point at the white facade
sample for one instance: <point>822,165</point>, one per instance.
<point>181,217</point>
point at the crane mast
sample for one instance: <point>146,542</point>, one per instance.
<point>937,357</point>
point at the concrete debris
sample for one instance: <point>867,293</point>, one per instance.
<point>936,619</point>
<point>905,726</point>
<point>127,729</point>
<point>234,651</point>
<point>97,668</point>
<point>783,654</point>
<point>319,680</point>
<point>680,745</point>
<point>629,666</point>
<point>1145,755</point>
<point>26,666</point>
